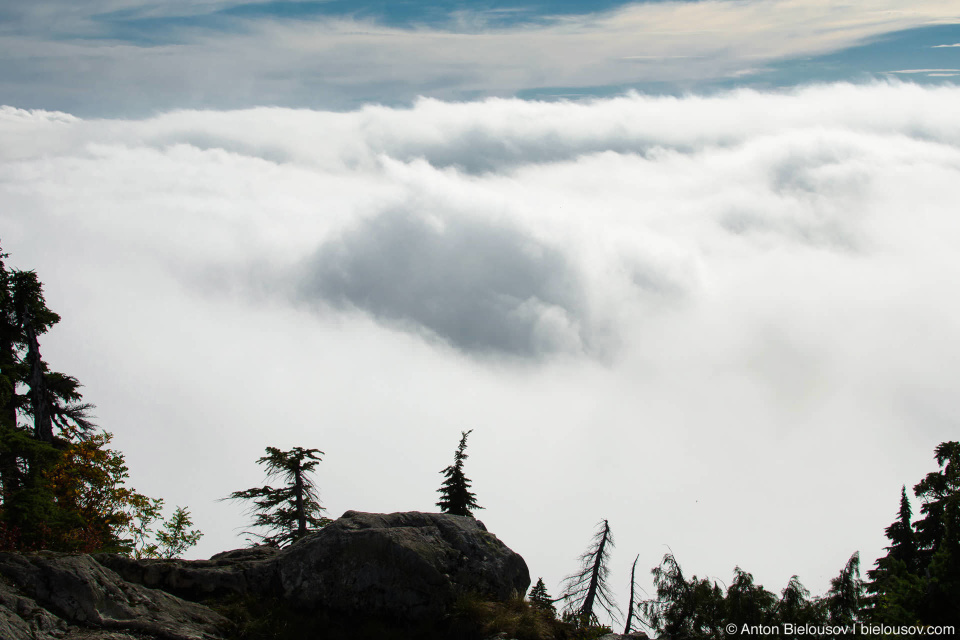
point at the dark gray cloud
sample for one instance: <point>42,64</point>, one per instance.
<point>484,287</point>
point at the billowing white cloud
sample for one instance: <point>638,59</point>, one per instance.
<point>725,323</point>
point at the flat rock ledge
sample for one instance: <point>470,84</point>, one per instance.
<point>238,572</point>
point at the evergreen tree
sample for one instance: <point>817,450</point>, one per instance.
<point>918,580</point>
<point>541,599</point>
<point>692,609</point>
<point>697,609</point>
<point>587,588</point>
<point>31,515</point>
<point>901,563</point>
<point>290,512</point>
<point>52,399</point>
<point>796,607</point>
<point>940,492</point>
<point>455,495</point>
<point>938,537</point>
<point>62,489</point>
<point>903,540</point>
<point>845,597</point>
<point>747,602</point>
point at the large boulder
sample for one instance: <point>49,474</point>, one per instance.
<point>43,595</point>
<point>403,566</point>
<point>406,566</point>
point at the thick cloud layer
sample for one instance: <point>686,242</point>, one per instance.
<point>695,317</point>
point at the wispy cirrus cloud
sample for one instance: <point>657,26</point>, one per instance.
<point>909,71</point>
<point>342,61</point>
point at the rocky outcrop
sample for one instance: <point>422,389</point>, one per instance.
<point>409,566</point>
<point>404,567</point>
<point>45,595</point>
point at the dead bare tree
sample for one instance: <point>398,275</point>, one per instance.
<point>587,588</point>
<point>633,585</point>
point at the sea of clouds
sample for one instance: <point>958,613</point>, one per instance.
<point>726,323</point>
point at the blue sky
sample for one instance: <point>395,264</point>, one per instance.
<point>128,57</point>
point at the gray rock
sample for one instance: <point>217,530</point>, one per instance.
<point>46,593</point>
<point>240,571</point>
<point>22,619</point>
<point>408,566</point>
<point>246,554</point>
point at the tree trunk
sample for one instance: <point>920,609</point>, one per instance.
<point>42,422</point>
<point>9,473</point>
<point>633,584</point>
<point>301,512</point>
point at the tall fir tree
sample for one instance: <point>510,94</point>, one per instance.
<point>455,495</point>
<point>62,487</point>
<point>52,399</point>
<point>899,566</point>
<point>290,512</point>
<point>903,540</point>
<point>31,516</point>
<point>938,536</point>
<point>940,495</point>
<point>918,580</point>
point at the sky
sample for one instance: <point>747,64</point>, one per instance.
<point>685,266</point>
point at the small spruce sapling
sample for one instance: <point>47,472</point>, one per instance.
<point>541,599</point>
<point>455,495</point>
